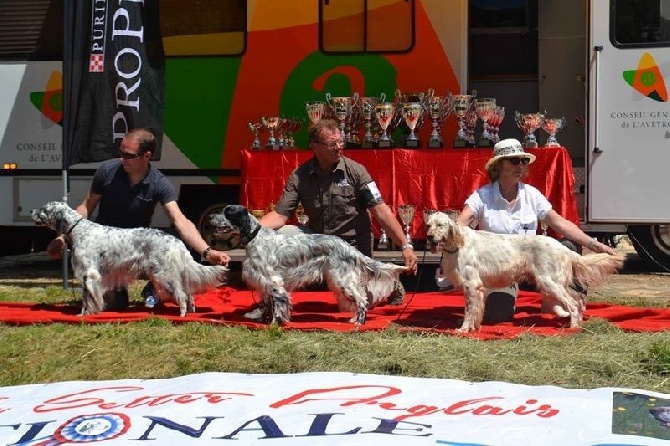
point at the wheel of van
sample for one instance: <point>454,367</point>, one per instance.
<point>230,241</point>
<point>652,243</point>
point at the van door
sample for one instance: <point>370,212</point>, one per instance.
<point>628,151</point>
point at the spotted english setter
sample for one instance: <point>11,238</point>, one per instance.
<point>477,260</point>
<point>107,258</point>
<point>277,264</point>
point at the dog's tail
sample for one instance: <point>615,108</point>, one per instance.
<point>382,280</point>
<point>591,270</point>
<point>198,278</point>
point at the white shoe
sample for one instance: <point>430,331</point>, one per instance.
<point>255,314</point>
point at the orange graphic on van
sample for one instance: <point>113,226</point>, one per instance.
<point>647,79</point>
<point>50,102</point>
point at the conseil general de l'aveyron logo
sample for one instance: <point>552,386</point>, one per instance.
<point>647,79</point>
<point>50,101</point>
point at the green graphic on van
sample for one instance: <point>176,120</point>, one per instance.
<point>50,101</point>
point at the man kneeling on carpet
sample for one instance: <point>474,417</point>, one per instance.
<point>508,206</point>
<point>336,193</point>
<point>127,190</point>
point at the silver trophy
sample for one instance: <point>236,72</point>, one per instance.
<point>412,113</point>
<point>553,126</point>
<point>342,106</point>
<point>438,108</point>
<point>315,110</point>
<point>385,111</point>
<point>300,215</point>
<point>461,104</point>
<point>485,108</point>
<point>528,123</point>
<point>406,213</point>
<point>368,104</point>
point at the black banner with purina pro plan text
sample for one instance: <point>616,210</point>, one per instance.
<point>113,76</point>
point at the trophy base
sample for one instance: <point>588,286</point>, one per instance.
<point>460,143</point>
<point>383,144</point>
<point>412,143</point>
<point>530,145</point>
<point>552,144</point>
<point>382,247</point>
<point>435,144</point>
<point>484,142</point>
<point>352,145</point>
<point>367,144</point>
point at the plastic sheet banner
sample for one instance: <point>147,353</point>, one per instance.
<point>328,409</point>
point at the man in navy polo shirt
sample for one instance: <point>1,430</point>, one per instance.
<point>127,190</point>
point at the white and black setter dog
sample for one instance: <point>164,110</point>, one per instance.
<point>106,258</point>
<point>277,264</point>
<point>477,260</point>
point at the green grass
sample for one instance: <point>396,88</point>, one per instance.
<point>600,356</point>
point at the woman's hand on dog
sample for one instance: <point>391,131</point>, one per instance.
<point>55,248</point>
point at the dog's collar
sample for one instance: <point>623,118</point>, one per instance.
<point>449,251</point>
<point>67,233</point>
<point>254,233</point>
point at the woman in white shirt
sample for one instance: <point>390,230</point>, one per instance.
<point>508,206</point>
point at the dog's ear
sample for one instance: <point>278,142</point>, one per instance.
<point>456,234</point>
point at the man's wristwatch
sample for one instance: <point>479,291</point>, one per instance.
<point>205,253</point>
<point>406,246</point>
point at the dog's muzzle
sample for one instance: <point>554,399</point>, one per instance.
<point>432,245</point>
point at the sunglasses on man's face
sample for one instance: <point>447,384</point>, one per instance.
<point>129,156</point>
<point>516,161</point>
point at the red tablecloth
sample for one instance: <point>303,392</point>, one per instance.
<point>428,178</point>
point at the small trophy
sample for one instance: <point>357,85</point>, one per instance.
<point>411,113</point>
<point>406,214</point>
<point>385,111</point>
<point>383,242</point>
<point>300,215</point>
<point>315,110</point>
<point>368,104</point>
<point>528,123</point>
<point>258,213</point>
<point>427,213</point>
<point>553,126</point>
<point>485,108</point>
<point>494,123</point>
<point>255,128</point>
<point>460,106</point>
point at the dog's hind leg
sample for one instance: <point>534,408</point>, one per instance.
<point>281,305</point>
<point>93,301</point>
<point>559,294</point>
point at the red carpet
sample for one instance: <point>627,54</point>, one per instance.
<point>426,311</point>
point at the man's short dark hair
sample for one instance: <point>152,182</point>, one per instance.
<point>315,131</point>
<point>146,139</point>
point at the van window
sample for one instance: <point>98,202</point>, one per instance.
<point>366,26</point>
<point>31,30</point>
<point>640,23</point>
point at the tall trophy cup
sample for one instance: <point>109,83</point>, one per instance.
<point>485,108</point>
<point>494,123</point>
<point>315,110</point>
<point>368,104</point>
<point>411,113</point>
<point>255,128</point>
<point>385,111</point>
<point>553,126</point>
<point>528,123</point>
<point>460,105</point>
<point>271,123</point>
<point>438,108</point>
<point>342,106</point>
<point>406,214</point>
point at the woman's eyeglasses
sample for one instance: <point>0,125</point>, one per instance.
<point>517,161</point>
<point>129,156</point>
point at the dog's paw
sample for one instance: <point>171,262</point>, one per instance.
<point>257,314</point>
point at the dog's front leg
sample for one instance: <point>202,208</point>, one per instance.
<point>281,306</point>
<point>474,306</point>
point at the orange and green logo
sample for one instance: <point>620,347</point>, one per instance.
<point>50,101</point>
<point>647,79</point>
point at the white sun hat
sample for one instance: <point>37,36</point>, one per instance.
<point>509,148</point>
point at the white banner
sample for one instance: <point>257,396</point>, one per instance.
<point>328,409</point>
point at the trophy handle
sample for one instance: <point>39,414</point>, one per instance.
<point>382,97</point>
<point>328,96</point>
